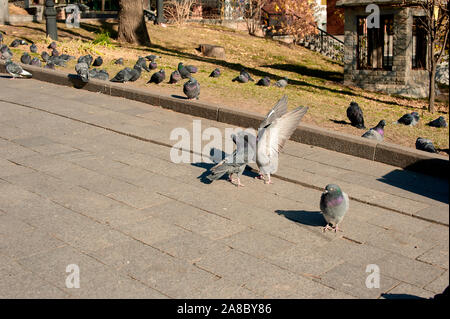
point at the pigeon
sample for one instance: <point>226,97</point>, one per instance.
<point>122,76</point>
<point>265,81</point>
<point>152,57</point>
<point>33,48</point>
<point>99,74</point>
<point>273,133</point>
<point>282,83</point>
<point>377,132</point>
<point>135,73</point>
<point>17,42</point>
<point>409,119</point>
<point>334,203</point>
<point>52,45</point>
<point>215,73</point>
<point>45,56</point>
<point>247,75</point>
<point>83,71</point>
<point>25,58</point>
<point>66,57</point>
<point>119,61</point>
<point>5,52</point>
<point>240,78</point>
<point>184,72</point>
<point>192,88</point>
<point>237,161</point>
<point>49,65</point>
<point>192,69</point>
<point>86,59</point>
<point>426,145</point>
<point>16,70</point>
<point>35,61</point>
<point>439,122</point>
<point>355,115</point>
<point>98,61</point>
<point>157,77</point>
<point>1,38</point>
<point>142,63</point>
<point>175,77</point>
<point>55,52</point>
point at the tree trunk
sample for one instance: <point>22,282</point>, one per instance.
<point>132,28</point>
<point>4,12</point>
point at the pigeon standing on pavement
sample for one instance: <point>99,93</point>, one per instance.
<point>282,83</point>
<point>33,48</point>
<point>439,122</point>
<point>426,145</point>
<point>334,203</point>
<point>377,132</point>
<point>82,70</point>
<point>409,119</point>
<point>16,70</point>
<point>265,81</point>
<point>215,73</point>
<point>175,77</point>
<point>35,61</point>
<point>122,76</point>
<point>98,61</point>
<point>355,115</point>
<point>192,88</point>
<point>185,74</point>
<point>25,58</point>
<point>273,133</point>
<point>5,52</point>
<point>157,77</point>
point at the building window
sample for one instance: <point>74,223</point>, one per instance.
<point>419,44</point>
<point>375,49</point>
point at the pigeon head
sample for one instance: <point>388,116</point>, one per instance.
<point>381,124</point>
<point>353,103</point>
<point>333,189</point>
<point>180,65</point>
<point>415,115</point>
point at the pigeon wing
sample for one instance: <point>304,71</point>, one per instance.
<point>278,110</point>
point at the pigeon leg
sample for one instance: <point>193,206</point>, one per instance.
<point>327,227</point>
<point>269,181</point>
<point>336,228</point>
<point>239,183</point>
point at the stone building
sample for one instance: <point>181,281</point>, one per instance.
<point>390,58</point>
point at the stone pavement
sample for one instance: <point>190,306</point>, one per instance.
<point>87,179</point>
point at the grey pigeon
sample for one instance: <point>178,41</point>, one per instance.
<point>99,74</point>
<point>16,43</point>
<point>377,132</point>
<point>88,59</point>
<point>119,61</point>
<point>273,133</point>
<point>439,122</point>
<point>240,78</point>
<point>98,61</point>
<point>5,52</point>
<point>247,75</point>
<point>25,58</point>
<point>355,115</point>
<point>426,145</point>
<point>82,70</point>
<point>66,57</point>
<point>142,63</point>
<point>45,56</point>
<point>152,57</point>
<point>158,77</point>
<point>135,73</point>
<point>184,72</point>
<point>55,52</point>
<point>49,65</point>
<point>16,70</point>
<point>122,76</point>
<point>33,48</point>
<point>35,61</point>
<point>52,45</point>
<point>175,77</point>
<point>265,81</point>
<point>192,69</point>
<point>1,38</point>
<point>334,204</point>
<point>282,83</point>
<point>152,65</point>
<point>192,89</point>
<point>409,119</point>
<point>236,162</point>
<point>215,73</point>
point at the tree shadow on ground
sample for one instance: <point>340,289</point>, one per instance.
<point>309,218</point>
<point>303,70</point>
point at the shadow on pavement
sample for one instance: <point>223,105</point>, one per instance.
<point>309,218</point>
<point>400,296</point>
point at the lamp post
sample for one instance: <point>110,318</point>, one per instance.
<point>50,19</point>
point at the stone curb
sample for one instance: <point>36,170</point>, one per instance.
<point>392,154</point>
